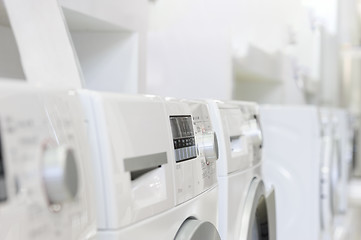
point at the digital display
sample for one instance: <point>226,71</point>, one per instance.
<point>181,126</point>
<point>183,138</point>
<point>3,195</point>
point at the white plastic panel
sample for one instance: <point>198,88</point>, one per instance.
<point>44,43</point>
<point>344,136</point>
<point>332,171</point>
<point>132,157</point>
<point>205,171</point>
<point>233,149</point>
<point>196,175</point>
<point>183,171</point>
<point>292,149</point>
<point>251,129</point>
<point>109,60</point>
<point>167,224</point>
<point>232,198</point>
<point>35,123</point>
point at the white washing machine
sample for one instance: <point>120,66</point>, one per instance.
<point>132,160</point>
<point>343,135</point>
<point>291,162</point>
<point>245,210</point>
<point>332,183</point>
<point>44,175</point>
<point>344,138</point>
<point>196,185</point>
<point>143,146</point>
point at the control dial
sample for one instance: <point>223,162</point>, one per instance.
<point>60,174</point>
<point>209,146</point>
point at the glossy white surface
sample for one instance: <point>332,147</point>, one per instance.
<point>124,127</point>
<point>158,202</point>
<point>332,175</point>
<point>36,121</point>
<point>194,176</point>
<point>166,225</point>
<point>291,156</point>
<point>44,42</point>
<point>238,164</point>
<point>344,136</point>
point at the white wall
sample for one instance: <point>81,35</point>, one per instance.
<point>282,26</point>
<point>189,49</point>
<point>191,45</point>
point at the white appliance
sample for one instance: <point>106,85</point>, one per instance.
<point>132,160</point>
<point>44,173</point>
<point>145,187</point>
<point>291,158</point>
<point>343,136</point>
<point>244,207</point>
<point>331,172</point>
<point>196,185</point>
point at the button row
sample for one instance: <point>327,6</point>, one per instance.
<point>183,142</point>
<point>185,153</point>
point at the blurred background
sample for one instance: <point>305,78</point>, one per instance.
<point>271,52</point>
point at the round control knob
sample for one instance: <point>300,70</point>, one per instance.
<point>210,147</point>
<point>60,174</point>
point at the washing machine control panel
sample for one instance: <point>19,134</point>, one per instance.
<point>207,145</point>
<point>194,161</point>
<point>45,182</point>
<point>183,137</point>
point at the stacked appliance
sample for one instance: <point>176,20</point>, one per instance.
<point>244,210</point>
<point>155,171</point>
<point>44,173</point>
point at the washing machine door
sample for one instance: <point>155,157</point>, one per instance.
<point>258,220</point>
<point>193,229</point>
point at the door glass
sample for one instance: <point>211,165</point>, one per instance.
<point>255,234</point>
<point>261,221</point>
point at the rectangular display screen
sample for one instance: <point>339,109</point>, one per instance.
<point>181,126</point>
<point>3,195</point>
<point>183,137</point>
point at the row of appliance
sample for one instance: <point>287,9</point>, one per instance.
<point>308,155</point>
<point>89,165</point>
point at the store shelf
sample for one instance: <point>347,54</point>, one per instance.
<point>129,15</point>
<point>100,45</point>
<point>10,62</point>
<point>258,66</point>
<point>109,41</point>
